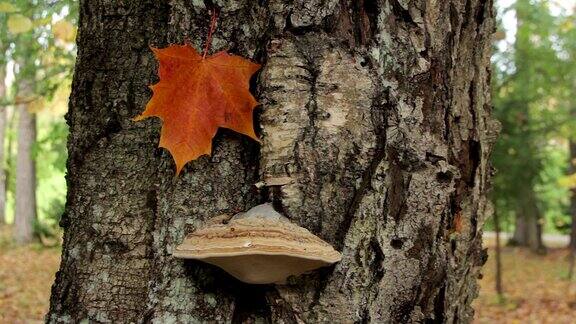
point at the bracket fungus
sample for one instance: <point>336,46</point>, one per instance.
<point>259,246</point>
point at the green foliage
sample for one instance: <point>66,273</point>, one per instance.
<point>554,199</point>
<point>37,39</point>
<point>43,59</point>
<point>531,82</point>
<point>47,227</point>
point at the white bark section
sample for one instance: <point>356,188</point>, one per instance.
<point>25,212</point>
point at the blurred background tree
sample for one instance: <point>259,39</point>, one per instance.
<point>531,87</point>
<point>37,40</point>
<point>567,37</point>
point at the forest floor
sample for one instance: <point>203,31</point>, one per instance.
<point>535,288</point>
<point>536,291</point>
<point>26,276</point>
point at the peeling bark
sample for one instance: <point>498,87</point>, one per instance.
<point>378,113</point>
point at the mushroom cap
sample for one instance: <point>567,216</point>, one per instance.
<point>258,247</point>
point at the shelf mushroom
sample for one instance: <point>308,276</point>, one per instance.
<point>259,246</point>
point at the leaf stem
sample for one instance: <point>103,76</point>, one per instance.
<point>213,19</point>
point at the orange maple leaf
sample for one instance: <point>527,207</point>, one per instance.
<point>196,95</point>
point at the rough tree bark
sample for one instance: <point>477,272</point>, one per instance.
<point>379,111</point>
<point>25,211</point>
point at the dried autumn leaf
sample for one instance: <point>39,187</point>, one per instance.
<point>196,95</point>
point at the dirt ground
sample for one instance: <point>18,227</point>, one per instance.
<point>536,291</point>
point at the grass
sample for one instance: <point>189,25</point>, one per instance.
<point>535,286</point>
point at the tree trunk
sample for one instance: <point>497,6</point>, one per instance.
<point>572,171</point>
<point>2,151</point>
<point>498,255</point>
<point>529,228</point>
<point>379,112</point>
<point>25,211</point>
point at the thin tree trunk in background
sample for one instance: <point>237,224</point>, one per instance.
<point>520,237</point>
<point>499,287</point>
<point>379,112</point>
<point>572,247</point>
<point>529,228</point>
<point>25,211</point>
<point>571,263</point>
<point>2,151</point>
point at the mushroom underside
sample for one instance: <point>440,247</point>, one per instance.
<point>261,268</point>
